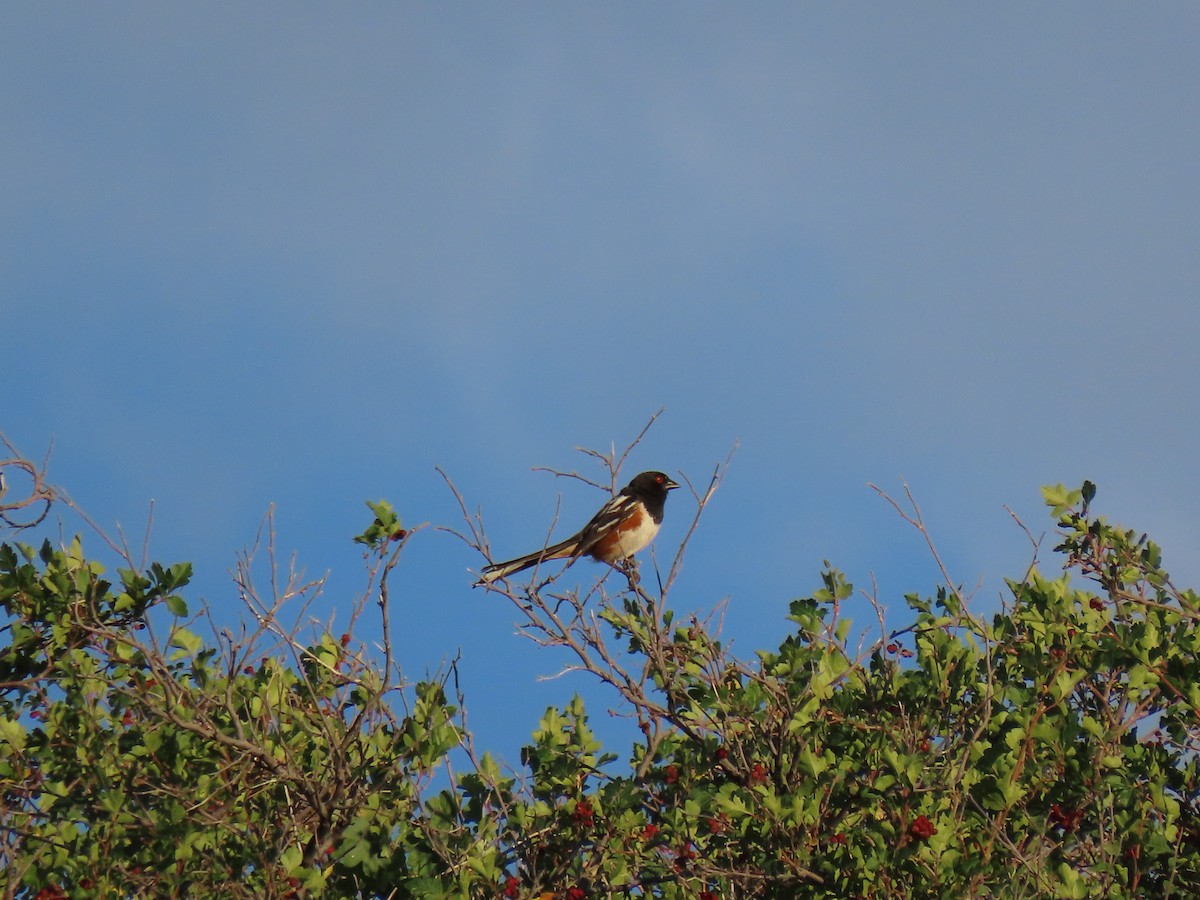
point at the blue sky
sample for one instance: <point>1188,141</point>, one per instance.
<point>293,254</point>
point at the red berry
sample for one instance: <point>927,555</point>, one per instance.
<point>684,856</point>
<point>1067,819</point>
<point>582,814</point>
<point>345,639</point>
<point>922,829</point>
<point>672,774</point>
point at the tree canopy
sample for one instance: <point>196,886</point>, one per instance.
<point>1046,749</point>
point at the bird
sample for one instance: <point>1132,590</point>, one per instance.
<point>624,525</point>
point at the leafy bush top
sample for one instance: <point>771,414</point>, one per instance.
<point>1046,751</point>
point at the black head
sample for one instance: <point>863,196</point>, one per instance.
<point>651,484</point>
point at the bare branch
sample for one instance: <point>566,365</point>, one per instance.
<point>37,494</point>
<point>702,502</point>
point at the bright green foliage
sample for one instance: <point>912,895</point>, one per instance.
<point>385,527</point>
<point>1047,751</point>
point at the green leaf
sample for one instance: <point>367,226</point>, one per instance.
<point>11,733</point>
<point>186,640</point>
<point>176,606</point>
<point>384,528</point>
<point>1088,492</point>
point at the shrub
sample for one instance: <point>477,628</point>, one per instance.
<point>1047,750</point>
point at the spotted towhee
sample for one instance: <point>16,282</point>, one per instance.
<point>624,525</point>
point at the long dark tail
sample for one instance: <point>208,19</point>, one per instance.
<point>491,572</point>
